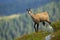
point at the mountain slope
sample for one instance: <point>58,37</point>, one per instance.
<point>14,26</point>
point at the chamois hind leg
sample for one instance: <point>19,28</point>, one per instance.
<point>37,27</point>
<point>48,21</point>
<point>43,23</point>
<point>34,26</point>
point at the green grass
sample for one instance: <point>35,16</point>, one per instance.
<point>56,35</point>
<point>56,26</point>
<point>34,36</point>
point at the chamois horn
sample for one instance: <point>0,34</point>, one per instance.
<point>28,9</point>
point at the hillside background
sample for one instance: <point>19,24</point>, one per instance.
<point>14,23</point>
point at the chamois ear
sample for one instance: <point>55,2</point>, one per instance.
<point>26,9</point>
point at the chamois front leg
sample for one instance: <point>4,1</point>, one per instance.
<point>37,27</point>
<point>34,26</point>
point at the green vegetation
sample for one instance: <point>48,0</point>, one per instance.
<point>56,26</point>
<point>56,35</point>
<point>34,36</point>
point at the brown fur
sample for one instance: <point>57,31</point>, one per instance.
<point>39,17</point>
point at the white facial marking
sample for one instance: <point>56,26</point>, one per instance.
<point>29,12</point>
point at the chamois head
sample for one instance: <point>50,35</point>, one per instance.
<point>29,10</point>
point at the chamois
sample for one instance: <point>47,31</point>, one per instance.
<point>39,17</point>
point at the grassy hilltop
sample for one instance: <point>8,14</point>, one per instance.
<point>41,35</point>
<point>34,36</point>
